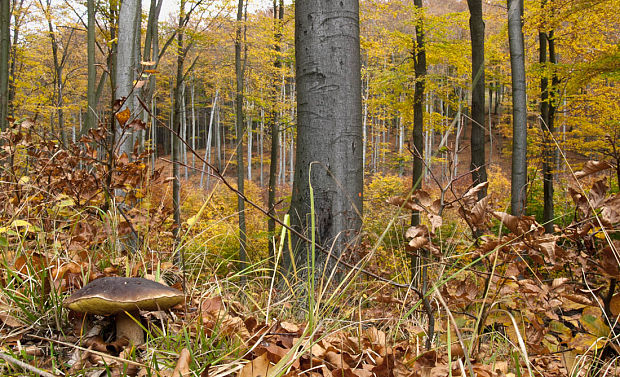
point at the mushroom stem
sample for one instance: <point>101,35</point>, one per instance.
<point>129,328</point>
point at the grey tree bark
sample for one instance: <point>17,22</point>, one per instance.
<point>59,63</point>
<point>126,65</point>
<point>239,140</point>
<point>151,53</point>
<point>91,94</point>
<point>519,108</point>
<point>5,41</point>
<point>478,157</point>
<point>278,16</point>
<point>176,144</point>
<point>19,12</point>
<point>329,128</point>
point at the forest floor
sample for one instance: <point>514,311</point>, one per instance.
<point>513,301</point>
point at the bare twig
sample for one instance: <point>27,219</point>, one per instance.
<point>102,354</point>
<point>25,366</point>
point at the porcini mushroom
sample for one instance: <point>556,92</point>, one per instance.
<point>119,296</point>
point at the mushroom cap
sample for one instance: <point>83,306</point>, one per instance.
<point>111,295</point>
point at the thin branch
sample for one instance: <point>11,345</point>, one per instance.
<point>25,366</point>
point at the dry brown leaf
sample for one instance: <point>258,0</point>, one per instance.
<point>212,306</point>
<point>336,360</point>
<point>289,327</point>
<point>511,222</point>
<point>182,367</point>
<point>258,367</point>
<point>471,196</point>
<point>423,198</point>
<point>436,222</point>
<point>614,305</point>
<point>9,320</point>
<point>592,167</point>
<point>418,236</point>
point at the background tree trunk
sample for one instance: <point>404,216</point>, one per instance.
<point>19,15</point>
<point>329,127</point>
<point>547,113</point>
<point>239,140</point>
<point>418,108</point>
<point>151,53</point>
<point>91,111</point>
<point>176,144</point>
<point>278,16</point>
<point>5,41</point>
<point>478,157</point>
<point>519,108</point>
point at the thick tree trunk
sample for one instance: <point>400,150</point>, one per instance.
<point>239,140</point>
<point>478,158</point>
<point>329,128</point>
<point>519,108</point>
<point>126,66</point>
<point>5,42</point>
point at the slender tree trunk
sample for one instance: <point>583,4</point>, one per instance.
<point>250,145</point>
<point>519,107</point>
<point>418,108</point>
<point>5,42</point>
<point>91,94</point>
<point>418,165</point>
<point>544,118</point>
<point>329,130</point>
<point>239,140</point>
<point>151,53</point>
<point>547,110</point>
<point>194,136</point>
<point>218,140</point>
<point>262,146</point>
<point>19,12</point>
<point>278,16</point>
<point>209,140</point>
<point>176,144</point>
<point>476,27</point>
<point>365,120</point>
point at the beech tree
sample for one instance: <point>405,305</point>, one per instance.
<point>519,108</point>
<point>478,157</point>
<point>91,95</point>
<point>127,59</point>
<point>5,41</point>
<point>547,116</point>
<point>418,107</point>
<point>239,126</point>
<point>278,16</point>
<point>329,128</point>
<point>59,54</point>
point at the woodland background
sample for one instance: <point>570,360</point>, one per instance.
<point>183,171</point>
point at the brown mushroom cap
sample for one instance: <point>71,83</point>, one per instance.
<point>111,295</point>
